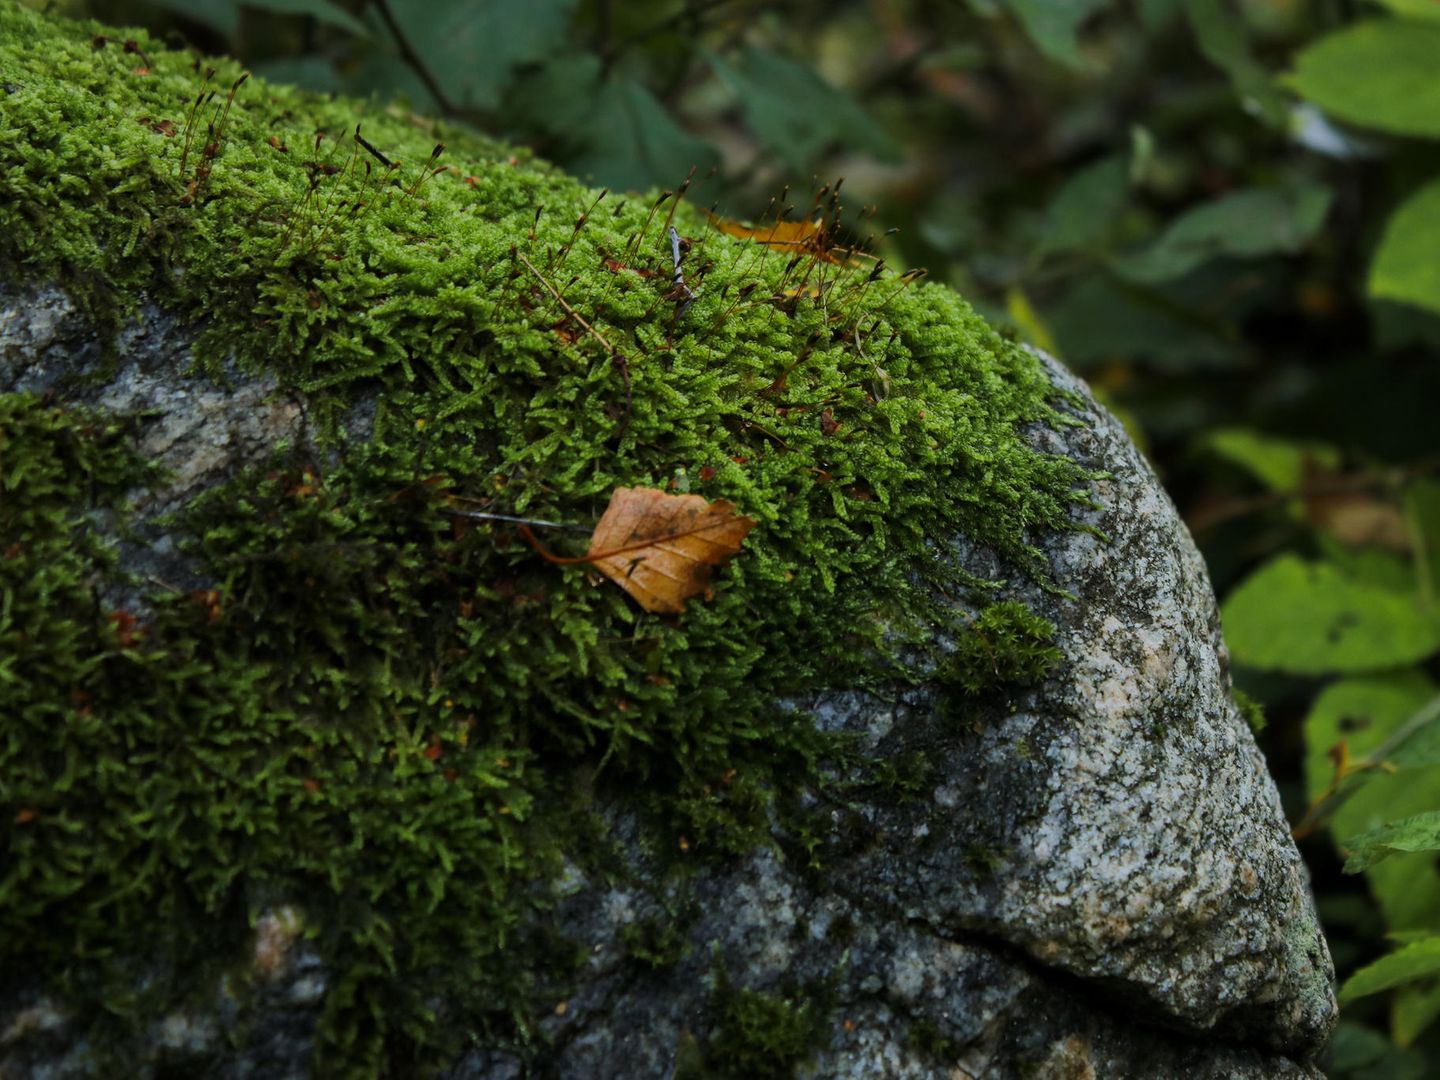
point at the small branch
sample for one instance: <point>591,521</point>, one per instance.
<point>480,515</point>
<point>568,309</point>
<point>1205,519</point>
<point>617,358</point>
<point>411,57</point>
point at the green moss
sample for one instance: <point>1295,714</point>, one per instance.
<point>761,1035</point>
<point>1252,710</point>
<point>926,1036</point>
<point>1005,643</point>
<point>656,943</point>
<point>983,859</point>
<point>393,722</point>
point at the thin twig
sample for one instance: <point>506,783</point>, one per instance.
<point>411,57</point>
<point>1391,479</point>
<point>568,309</point>
<point>617,358</point>
<point>482,516</point>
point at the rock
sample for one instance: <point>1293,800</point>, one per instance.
<point>1100,884</point>
<point>331,781</point>
<point>1103,883</point>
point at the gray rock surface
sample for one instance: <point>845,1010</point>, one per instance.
<point>1100,884</point>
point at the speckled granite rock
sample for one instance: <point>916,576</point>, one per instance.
<point>1101,885</point>
<point>1104,887</point>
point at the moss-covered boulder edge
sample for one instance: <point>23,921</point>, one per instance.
<point>392,721</point>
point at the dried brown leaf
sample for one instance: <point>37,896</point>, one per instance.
<point>811,237</point>
<point>661,548</point>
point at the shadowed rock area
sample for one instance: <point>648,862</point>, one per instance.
<point>1095,880</point>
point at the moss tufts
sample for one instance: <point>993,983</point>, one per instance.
<point>1006,643</point>
<point>389,720</point>
<point>763,1035</point>
<point>1252,710</point>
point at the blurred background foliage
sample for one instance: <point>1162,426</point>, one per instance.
<point>1224,213</point>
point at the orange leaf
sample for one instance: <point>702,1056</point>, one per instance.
<point>660,548</point>
<point>809,236</point>
<point>772,234</point>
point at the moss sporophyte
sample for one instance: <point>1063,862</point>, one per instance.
<point>391,719</point>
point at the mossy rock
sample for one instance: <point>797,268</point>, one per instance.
<point>280,703</point>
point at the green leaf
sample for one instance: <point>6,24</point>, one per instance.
<point>312,72</point>
<point>1418,960</point>
<point>632,143</point>
<point>1311,619</point>
<point>1370,565</point>
<point>1365,713</point>
<point>1054,27</point>
<point>1103,319</point>
<point>1029,321</point>
<point>1422,746</point>
<point>1242,224</point>
<point>1413,1009</point>
<point>1420,832</point>
<point>382,73</point>
<point>1422,511</point>
<point>1221,37</point>
<point>797,114</point>
<point>558,97</point>
<point>1414,9</point>
<point>1405,266</point>
<point>611,130</point>
<point>1142,153</point>
<point>473,48</point>
<point>1384,73</point>
<point>221,15</point>
<point>1279,464</point>
<point>1085,208</point>
<point>1353,1046</point>
<point>320,10</point>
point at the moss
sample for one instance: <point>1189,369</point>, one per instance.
<point>983,860</point>
<point>1252,710</point>
<point>1005,643</point>
<point>378,715</point>
<point>927,1037</point>
<point>656,943</point>
<point>762,1035</point>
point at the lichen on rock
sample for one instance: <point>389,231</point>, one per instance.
<point>271,691</point>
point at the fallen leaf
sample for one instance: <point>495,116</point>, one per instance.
<point>660,548</point>
<point>772,234</point>
<point>808,236</point>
